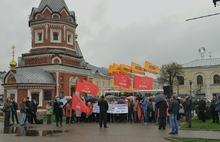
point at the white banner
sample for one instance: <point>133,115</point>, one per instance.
<point>112,108</point>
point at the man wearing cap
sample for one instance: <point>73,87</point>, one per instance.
<point>188,110</point>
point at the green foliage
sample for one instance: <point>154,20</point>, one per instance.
<point>168,73</point>
<point>193,139</point>
<point>198,124</point>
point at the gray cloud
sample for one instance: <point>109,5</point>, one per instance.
<point>122,31</point>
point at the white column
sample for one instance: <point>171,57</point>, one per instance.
<point>57,81</point>
<point>208,91</point>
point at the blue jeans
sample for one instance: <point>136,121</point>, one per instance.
<point>173,122</point>
<point>145,115</point>
<point>23,117</point>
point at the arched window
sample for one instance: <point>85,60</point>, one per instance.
<point>55,36</point>
<point>181,80</point>
<point>199,79</point>
<point>216,79</point>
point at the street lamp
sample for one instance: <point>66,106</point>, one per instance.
<point>190,83</point>
<point>178,80</point>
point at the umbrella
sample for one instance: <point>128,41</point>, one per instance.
<point>92,100</point>
<point>109,96</point>
<point>131,97</point>
<point>63,100</point>
<point>159,98</point>
<point>90,97</point>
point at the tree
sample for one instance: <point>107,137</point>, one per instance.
<point>169,72</point>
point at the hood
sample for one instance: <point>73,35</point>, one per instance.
<point>143,96</point>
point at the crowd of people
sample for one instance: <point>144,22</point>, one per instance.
<point>141,109</point>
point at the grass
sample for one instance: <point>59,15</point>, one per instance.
<point>198,124</point>
<point>193,139</point>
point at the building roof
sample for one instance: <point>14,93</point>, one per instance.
<point>29,75</point>
<point>2,75</point>
<point>101,70</point>
<point>55,5</point>
<point>202,63</point>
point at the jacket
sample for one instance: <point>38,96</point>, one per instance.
<point>135,108</point>
<point>33,106</point>
<point>103,105</point>
<point>174,107</point>
<point>162,106</point>
<point>217,107</point>
<point>68,110</point>
<point>202,105</point>
<point>189,104</point>
<point>213,105</point>
<point>144,103</point>
<point>48,107</point>
<point>58,109</point>
<point>8,106</point>
<point>23,107</point>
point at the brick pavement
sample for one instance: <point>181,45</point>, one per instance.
<point>90,132</point>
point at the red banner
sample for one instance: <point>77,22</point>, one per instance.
<point>122,80</point>
<point>93,89</point>
<point>143,82</point>
<point>78,104</point>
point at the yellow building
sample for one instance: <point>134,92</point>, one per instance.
<point>201,77</point>
<point>99,77</point>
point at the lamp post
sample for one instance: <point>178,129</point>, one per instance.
<point>190,83</point>
<point>178,78</point>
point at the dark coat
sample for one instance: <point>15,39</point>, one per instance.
<point>58,109</point>
<point>202,105</point>
<point>174,107</point>
<point>103,105</point>
<point>189,104</point>
<point>33,106</point>
<point>162,106</point>
<point>213,105</point>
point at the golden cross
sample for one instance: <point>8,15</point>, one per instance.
<point>13,48</point>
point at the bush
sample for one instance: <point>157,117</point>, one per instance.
<point>208,112</point>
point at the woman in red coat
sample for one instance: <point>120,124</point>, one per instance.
<point>68,112</point>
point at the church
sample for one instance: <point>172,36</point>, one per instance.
<point>54,63</point>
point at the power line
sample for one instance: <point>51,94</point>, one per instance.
<point>202,16</point>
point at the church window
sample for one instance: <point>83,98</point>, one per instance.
<point>216,79</point>
<point>199,79</point>
<point>69,38</point>
<point>55,36</point>
<point>97,83</point>
<point>181,80</point>
<point>39,36</point>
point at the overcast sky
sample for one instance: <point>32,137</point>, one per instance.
<point>121,31</point>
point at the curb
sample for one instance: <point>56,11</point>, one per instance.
<point>198,129</point>
<point>171,139</point>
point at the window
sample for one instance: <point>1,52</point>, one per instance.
<point>97,83</point>
<point>39,36</point>
<point>36,96</point>
<point>199,79</point>
<point>55,36</point>
<point>12,96</point>
<point>216,79</point>
<point>181,80</point>
<point>69,38</point>
<point>61,78</point>
<point>103,83</point>
<point>108,84</point>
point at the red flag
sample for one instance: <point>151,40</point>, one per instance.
<point>78,104</point>
<point>92,88</point>
<point>79,86</point>
<point>122,80</point>
<point>143,82</point>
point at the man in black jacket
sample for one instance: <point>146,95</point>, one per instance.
<point>103,112</point>
<point>14,112</point>
<point>28,112</point>
<point>173,110</point>
<point>214,112</point>
<point>33,109</point>
<point>188,110</point>
<point>58,111</point>
<point>202,109</point>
